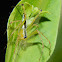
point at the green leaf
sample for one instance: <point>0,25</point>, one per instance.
<point>48,25</point>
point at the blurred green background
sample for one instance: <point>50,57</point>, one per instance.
<point>57,55</point>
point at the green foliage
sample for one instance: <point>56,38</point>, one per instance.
<point>48,25</point>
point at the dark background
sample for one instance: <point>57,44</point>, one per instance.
<point>6,8</point>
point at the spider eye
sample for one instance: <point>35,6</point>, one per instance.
<point>41,10</point>
<point>22,4</point>
<point>25,37</point>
